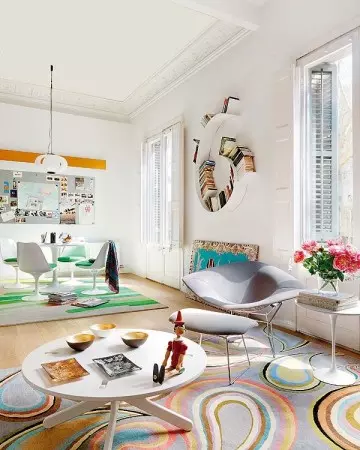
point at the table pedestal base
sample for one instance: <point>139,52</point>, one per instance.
<point>335,376</point>
<point>142,403</point>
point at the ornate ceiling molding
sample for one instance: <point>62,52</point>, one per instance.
<point>26,94</point>
<point>216,40</point>
<point>210,45</point>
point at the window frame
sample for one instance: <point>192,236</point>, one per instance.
<point>171,194</point>
<point>302,157</point>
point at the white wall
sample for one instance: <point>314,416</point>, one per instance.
<point>24,128</point>
<point>259,71</point>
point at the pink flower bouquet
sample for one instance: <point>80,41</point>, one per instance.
<point>331,261</point>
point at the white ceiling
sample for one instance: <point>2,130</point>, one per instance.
<point>110,56</point>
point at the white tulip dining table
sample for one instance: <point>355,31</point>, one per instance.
<point>55,253</point>
<point>334,375</point>
<point>136,389</point>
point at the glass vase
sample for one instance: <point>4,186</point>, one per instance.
<point>328,286</point>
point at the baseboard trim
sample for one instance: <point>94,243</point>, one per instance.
<point>289,324</point>
<point>312,335</point>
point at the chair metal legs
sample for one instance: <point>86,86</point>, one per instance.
<point>268,318</point>
<point>246,350</point>
<point>271,337</point>
<point>228,354</point>
<point>228,357</point>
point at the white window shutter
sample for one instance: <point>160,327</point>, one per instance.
<point>174,154</point>
<point>162,189</point>
<point>324,153</point>
<point>154,188</point>
<point>144,193</point>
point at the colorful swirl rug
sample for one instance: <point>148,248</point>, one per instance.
<point>275,404</point>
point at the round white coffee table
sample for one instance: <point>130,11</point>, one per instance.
<point>135,389</point>
<point>334,375</point>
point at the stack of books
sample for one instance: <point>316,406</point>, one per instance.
<point>337,302</point>
<point>206,179</point>
<point>243,159</point>
<point>231,105</point>
<point>214,204</point>
<point>197,142</point>
<point>62,298</point>
<point>206,119</point>
<point>228,146</point>
<point>219,201</point>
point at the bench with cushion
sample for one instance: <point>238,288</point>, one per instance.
<point>218,324</point>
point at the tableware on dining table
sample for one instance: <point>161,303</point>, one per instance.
<point>80,342</point>
<point>134,339</point>
<point>103,330</point>
<point>64,370</point>
<point>116,365</point>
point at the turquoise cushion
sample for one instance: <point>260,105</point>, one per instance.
<point>85,263</point>
<point>10,260</point>
<point>52,265</point>
<point>69,259</point>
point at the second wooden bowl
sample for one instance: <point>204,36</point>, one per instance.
<point>80,342</point>
<point>134,338</point>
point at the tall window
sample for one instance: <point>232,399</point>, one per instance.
<point>154,190</point>
<point>162,188</point>
<point>326,121</point>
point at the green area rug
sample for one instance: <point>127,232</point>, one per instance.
<point>276,404</point>
<point>15,311</point>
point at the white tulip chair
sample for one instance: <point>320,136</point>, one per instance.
<point>9,256</point>
<point>95,267</point>
<point>32,260</point>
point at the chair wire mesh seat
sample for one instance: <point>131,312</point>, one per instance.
<point>251,288</point>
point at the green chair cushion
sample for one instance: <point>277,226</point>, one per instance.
<point>10,260</point>
<point>69,259</point>
<point>85,263</point>
<point>52,265</point>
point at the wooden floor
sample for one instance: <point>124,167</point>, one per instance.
<point>19,340</point>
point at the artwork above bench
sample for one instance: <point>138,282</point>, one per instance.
<point>207,254</point>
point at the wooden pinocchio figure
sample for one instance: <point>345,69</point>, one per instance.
<point>176,349</point>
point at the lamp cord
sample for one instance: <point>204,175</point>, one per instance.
<point>50,150</point>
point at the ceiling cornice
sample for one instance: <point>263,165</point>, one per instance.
<point>26,94</point>
<point>216,40</point>
<point>209,46</point>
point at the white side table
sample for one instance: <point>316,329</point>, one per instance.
<point>334,375</point>
<point>136,389</point>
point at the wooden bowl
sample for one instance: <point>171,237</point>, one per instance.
<point>102,330</point>
<point>80,342</point>
<point>135,339</point>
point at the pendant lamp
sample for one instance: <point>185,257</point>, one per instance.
<point>49,162</point>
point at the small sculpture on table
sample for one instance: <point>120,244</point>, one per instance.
<point>65,237</point>
<point>176,349</point>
